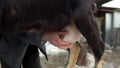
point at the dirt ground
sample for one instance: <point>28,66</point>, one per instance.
<point>111,60</point>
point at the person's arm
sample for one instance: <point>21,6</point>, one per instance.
<point>55,39</point>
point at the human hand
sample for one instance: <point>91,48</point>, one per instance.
<point>55,39</point>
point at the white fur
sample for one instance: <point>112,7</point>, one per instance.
<point>73,34</point>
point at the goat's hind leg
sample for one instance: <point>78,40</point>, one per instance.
<point>74,52</point>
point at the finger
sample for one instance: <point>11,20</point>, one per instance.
<point>61,42</point>
<point>55,43</point>
<point>62,46</point>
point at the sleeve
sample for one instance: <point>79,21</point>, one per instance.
<point>14,46</point>
<point>12,50</point>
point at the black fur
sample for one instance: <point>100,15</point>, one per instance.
<point>51,15</point>
<point>19,15</point>
<point>85,22</point>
